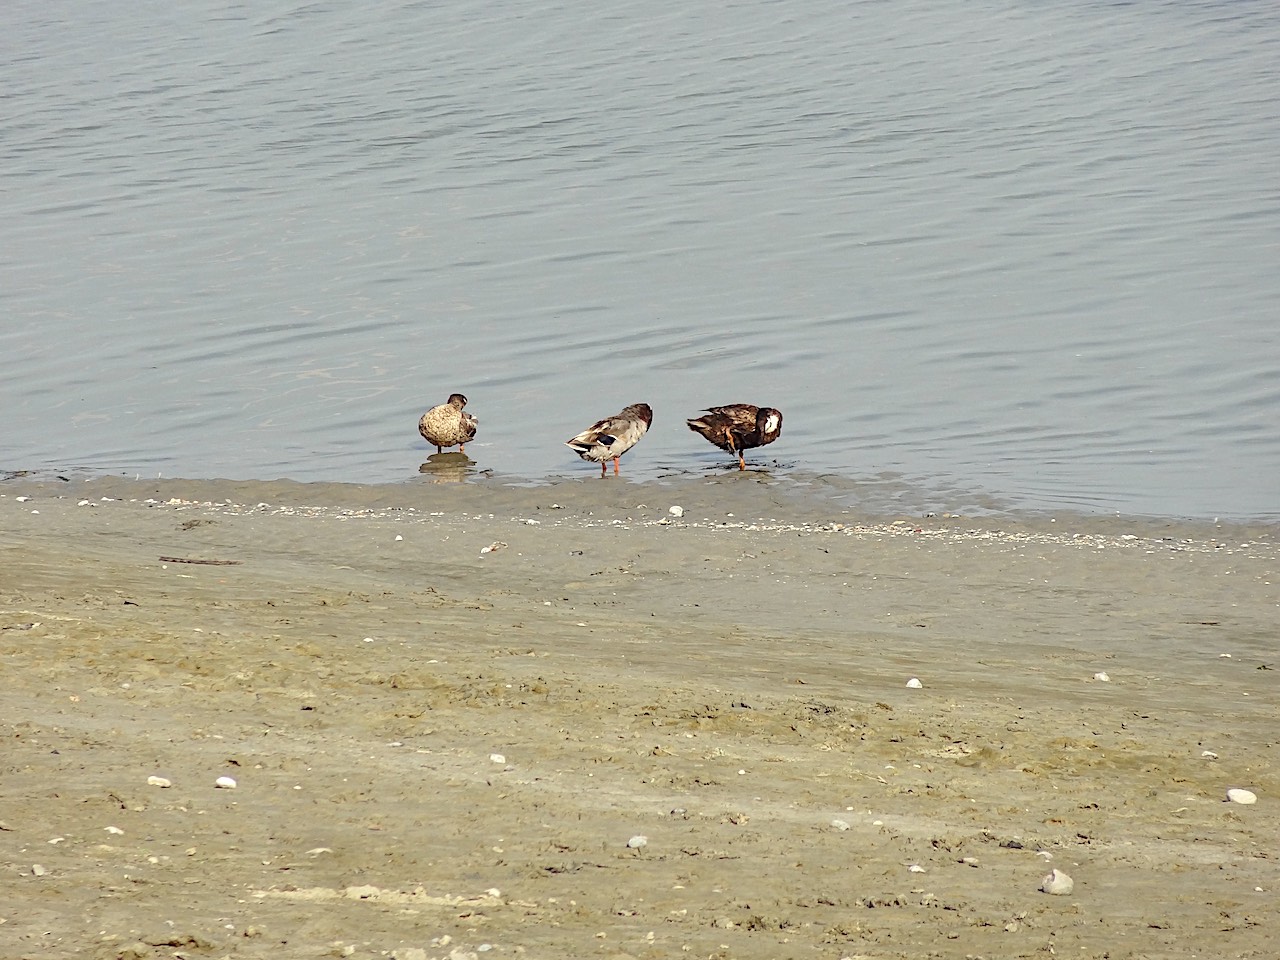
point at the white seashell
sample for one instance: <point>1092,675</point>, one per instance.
<point>159,782</point>
<point>38,870</point>
<point>840,824</point>
<point>226,783</point>
<point>1209,755</point>
<point>1237,795</point>
<point>497,758</point>
<point>1057,883</point>
<point>1102,677</point>
<point>914,683</point>
<point>676,511</point>
<point>916,868</point>
<point>22,499</point>
<point>496,545</point>
<point>398,537</point>
<point>636,842</point>
<point>114,830</point>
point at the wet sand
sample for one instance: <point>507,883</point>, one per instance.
<point>444,752</point>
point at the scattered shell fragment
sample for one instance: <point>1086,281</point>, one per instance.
<point>38,870</point>
<point>1208,755</point>
<point>226,783</point>
<point>914,683</point>
<point>638,841</point>
<point>916,868</point>
<point>497,758</point>
<point>676,511</point>
<point>116,831</point>
<point>496,545</point>
<point>1239,795</point>
<point>840,824</point>
<point>1057,883</point>
<point>159,782</point>
<point>1101,677</point>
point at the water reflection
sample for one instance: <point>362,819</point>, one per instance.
<point>448,468</point>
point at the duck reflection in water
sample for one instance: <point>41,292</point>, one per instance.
<point>448,468</point>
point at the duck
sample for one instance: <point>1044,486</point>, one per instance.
<point>447,425</point>
<point>610,438</point>
<point>736,427</point>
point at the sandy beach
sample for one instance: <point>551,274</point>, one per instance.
<point>623,733</point>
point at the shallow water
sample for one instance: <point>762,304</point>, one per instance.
<point>1001,252</point>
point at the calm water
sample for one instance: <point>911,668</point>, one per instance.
<point>1023,250</point>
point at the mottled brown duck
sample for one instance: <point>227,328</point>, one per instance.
<point>447,425</point>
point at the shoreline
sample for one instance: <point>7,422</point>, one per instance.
<point>727,493</point>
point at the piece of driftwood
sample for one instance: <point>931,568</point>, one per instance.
<point>209,563</point>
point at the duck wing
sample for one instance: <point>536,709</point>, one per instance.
<point>467,428</point>
<point>727,426</point>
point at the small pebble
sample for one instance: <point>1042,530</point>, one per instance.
<point>1238,795</point>
<point>914,683</point>
<point>225,783</point>
<point>1057,883</point>
<point>38,870</point>
<point>159,782</point>
<point>916,868</point>
<point>840,824</point>
<point>1102,677</point>
<point>114,830</point>
<point>636,842</point>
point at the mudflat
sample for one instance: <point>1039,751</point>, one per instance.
<point>479,720</point>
